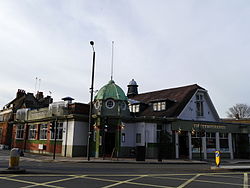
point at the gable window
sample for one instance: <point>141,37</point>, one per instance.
<point>32,132</point>
<point>59,132</point>
<point>19,131</point>
<point>199,105</point>
<point>134,108</point>
<point>43,132</point>
<point>159,106</point>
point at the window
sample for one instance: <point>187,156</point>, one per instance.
<point>134,108</point>
<point>123,105</point>
<point>196,141</point>
<point>19,131</point>
<point>138,138</point>
<point>159,106</point>
<point>211,141</point>
<point>199,105</point>
<point>43,132</point>
<point>110,104</point>
<point>224,142</point>
<point>59,132</point>
<point>123,137</point>
<point>1,132</point>
<point>32,132</point>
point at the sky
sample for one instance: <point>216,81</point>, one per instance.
<point>44,45</point>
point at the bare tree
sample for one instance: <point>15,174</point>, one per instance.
<point>239,111</point>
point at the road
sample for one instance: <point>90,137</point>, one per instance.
<point>90,175</point>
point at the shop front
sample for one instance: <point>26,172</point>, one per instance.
<point>199,140</point>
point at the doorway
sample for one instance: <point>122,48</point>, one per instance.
<point>109,143</point>
<point>183,145</point>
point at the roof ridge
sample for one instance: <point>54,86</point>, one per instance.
<point>171,89</point>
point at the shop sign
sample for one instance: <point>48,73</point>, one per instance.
<point>208,126</point>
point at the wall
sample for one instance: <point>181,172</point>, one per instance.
<point>189,112</point>
<point>74,138</point>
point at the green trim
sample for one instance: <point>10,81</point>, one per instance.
<point>37,141</point>
<point>58,142</point>
<point>152,145</point>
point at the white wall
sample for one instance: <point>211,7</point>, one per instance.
<point>80,133</point>
<point>147,131</point>
<point>68,139</point>
<point>189,112</point>
<point>76,133</point>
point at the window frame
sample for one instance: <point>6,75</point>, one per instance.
<point>159,106</point>
<point>199,105</point>
<point>43,131</point>
<point>59,135</point>
<point>32,132</point>
<point>138,138</point>
<point>20,131</point>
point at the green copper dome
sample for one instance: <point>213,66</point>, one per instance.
<point>111,90</point>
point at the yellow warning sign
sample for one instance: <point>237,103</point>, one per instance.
<point>217,158</point>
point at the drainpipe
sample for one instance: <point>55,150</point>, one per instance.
<point>66,139</point>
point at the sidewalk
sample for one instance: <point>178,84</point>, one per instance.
<point>49,158</point>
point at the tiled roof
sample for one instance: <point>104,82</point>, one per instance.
<point>176,99</point>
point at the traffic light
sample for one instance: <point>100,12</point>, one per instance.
<point>52,126</point>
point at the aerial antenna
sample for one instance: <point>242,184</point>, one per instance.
<point>35,84</point>
<point>112,60</point>
<point>39,84</point>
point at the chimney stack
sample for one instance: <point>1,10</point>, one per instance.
<point>20,93</point>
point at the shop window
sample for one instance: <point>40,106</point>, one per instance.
<point>211,141</point>
<point>59,132</point>
<point>196,142</point>
<point>159,106</point>
<point>32,132</point>
<point>43,132</point>
<point>138,138</point>
<point>19,131</point>
<point>224,142</point>
<point>199,105</point>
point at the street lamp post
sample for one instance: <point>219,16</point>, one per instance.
<point>91,100</point>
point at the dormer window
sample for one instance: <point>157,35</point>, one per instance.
<point>134,108</point>
<point>199,105</point>
<point>159,106</point>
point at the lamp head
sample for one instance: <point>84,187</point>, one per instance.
<point>91,43</point>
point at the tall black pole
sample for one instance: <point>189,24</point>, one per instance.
<point>55,134</point>
<point>91,101</point>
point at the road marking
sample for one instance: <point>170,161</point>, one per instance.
<point>245,182</point>
<point>223,176</point>
<point>122,182</point>
<point>55,181</point>
<point>27,182</point>
<point>188,181</point>
<point>129,181</point>
<point>116,181</point>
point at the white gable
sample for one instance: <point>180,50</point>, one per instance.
<point>209,112</point>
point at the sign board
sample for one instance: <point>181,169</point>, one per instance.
<point>40,146</point>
